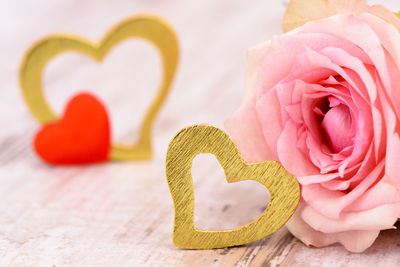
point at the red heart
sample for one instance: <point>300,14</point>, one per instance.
<point>81,136</point>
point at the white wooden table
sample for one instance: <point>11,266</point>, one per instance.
<point>121,214</point>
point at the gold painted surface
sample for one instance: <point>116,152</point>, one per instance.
<point>148,27</point>
<point>283,188</point>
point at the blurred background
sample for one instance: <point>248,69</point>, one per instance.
<point>213,36</point>
<point>213,39</point>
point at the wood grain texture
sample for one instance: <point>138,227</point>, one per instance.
<point>121,214</point>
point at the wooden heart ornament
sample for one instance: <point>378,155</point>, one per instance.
<point>148,27</point>
<point>283,188</point>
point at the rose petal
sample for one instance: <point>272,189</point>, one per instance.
<point>284,50</point>
<point>337,125</point>
<point>379,218</point>
<point>246,132</point>
<point>344,59</point>
<point>357,31</point>
<point>323,178</point>
<point>290,157</point>
<point>255,57</point>
<point>393,143</point>
<point>385,14</point>
<point>390,38</point>
<point>270,125</point>
<point>380,194</point>
<point>331,203</point>
<point>300,12</point>
<point>354,241</point>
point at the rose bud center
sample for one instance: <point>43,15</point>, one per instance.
<point>336,124</point>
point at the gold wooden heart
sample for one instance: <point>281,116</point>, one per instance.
<point>283,188</point>
<point>148,27</point>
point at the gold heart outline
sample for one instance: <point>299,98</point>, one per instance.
<point>147,27</point>
<point>283,188</point>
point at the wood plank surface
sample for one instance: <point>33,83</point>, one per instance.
<point>121,214</point>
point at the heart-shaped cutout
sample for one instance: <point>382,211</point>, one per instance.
<point>283,187</point>
<point>81,136</point>
<point>148,27</point>
<point>222,205</point>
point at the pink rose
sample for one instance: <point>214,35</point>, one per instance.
<point>324,100</point>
